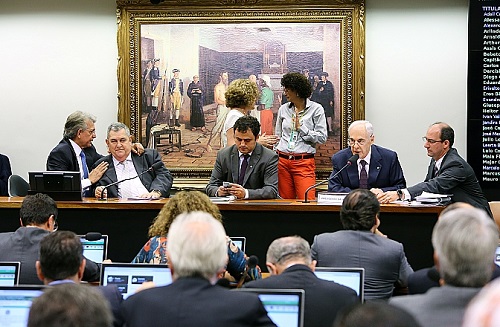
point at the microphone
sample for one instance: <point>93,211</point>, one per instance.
<point>154,167</point>
<point>93,236</point>
<point>349,162</point>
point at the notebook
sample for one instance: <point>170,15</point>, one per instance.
<point>285,307</point>
<point>351,277</point>
<point>128,277</point>
<point>240,241</point>
<point>97,250</point>
<point>15,304</point>
<point>9,273</point>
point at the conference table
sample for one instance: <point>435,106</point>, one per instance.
<point>126,223</point>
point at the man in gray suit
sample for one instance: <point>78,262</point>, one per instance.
<point>361,245</point>
<point>464,241</point>
<point>250,169</point>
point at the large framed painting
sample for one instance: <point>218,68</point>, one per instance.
<point>174,56</point>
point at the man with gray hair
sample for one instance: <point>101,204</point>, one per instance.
<point>142,176</point>
<point>197,252</point>
<point>464,241</point>
<point>290,264</point>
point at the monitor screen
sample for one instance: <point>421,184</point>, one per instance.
<point>60,185</point>
<point>95,250</point>
<point>15,304</point>
<point>351,277</point>
<point>9,273</point>
<point>497,255</point>
<point>239,241</point>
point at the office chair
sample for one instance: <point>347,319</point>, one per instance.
<point>17,186</point>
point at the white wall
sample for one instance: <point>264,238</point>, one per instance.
<point>58,56</point>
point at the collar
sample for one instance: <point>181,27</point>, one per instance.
<point>240,154</point>
<point>76,147</point>
<point>116,162</point>
<point>439,162</point>
<point>367,158</point>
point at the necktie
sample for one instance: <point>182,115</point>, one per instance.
<point>363,176</point>
<point>125,191</point>
<point>84,165</point>
<point>243,169</point>
<point>434,171</point>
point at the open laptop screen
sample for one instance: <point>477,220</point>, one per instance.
<point>9,273</point>
<point>128,277</point>
<point>95,250</point>
<point>497,256</point>
<point>239,241</point>
<point>351,277</point>
<point>15,304</point>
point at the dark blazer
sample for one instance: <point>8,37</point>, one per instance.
<point>194,302</point>
<point>455,177</point>
<point>5,172</point>
<point>384,260</point>
<point>63,157</point>
<point>323,299</point>
<point>115,299</point>
<point>23,245</point>
<point>385,171</point>
<point>159,179</point>
<point>261,176</point>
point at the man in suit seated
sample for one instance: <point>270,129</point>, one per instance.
<point>124,164</point>
<point>464,241</point>
<point>38,219</point>
<point>197,252</point>
<point>379,165</point>
<point>359,245</point>
<point>290,264</point>
<point>250,168</point>
<point>5,172</point>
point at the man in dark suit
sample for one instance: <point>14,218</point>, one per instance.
<point>448,172</point>
<point>38,219</point>
<point>290,264</point>
<point>5,172</point>
<point>62,262</point>
<point>381,166</point>
<point>464,242</point>
<point>123,164</point>
<point>197,252</point>
<point>259,180</point>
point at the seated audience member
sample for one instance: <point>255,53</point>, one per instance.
<point>5,172</point>
<point>464,243</point>
<point>124,164</point>
<point>197,253</point>
<point>38,219</point>
<point>154,251</point>
<point>62,262</point>
<point>251,168</point>
<point>70,305</point>
<point>483,311</point>
<point>358,245</point>
<point>374,314</point>
<point>290,264</point>
<point>379,166</point>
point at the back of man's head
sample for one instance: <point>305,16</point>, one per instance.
<point>359,210</point>
<point>70,305</point>
<point>61,255</point>
<point>374,314</point>
<point>464,243</point>
<point>36,209</point>
<point>287,249</point>
<point>196,245</point>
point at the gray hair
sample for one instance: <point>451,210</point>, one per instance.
<point>115,127</point>
<point>197,245</point>
<point>289,248</point>
<point>76,121</point>
<point>70,305</point>
<point>465,240</point>
<point>368,126</point>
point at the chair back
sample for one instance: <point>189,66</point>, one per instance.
<point>17,186</point>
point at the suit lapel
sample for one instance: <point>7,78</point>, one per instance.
<point>235,163</point>
<point>252,161</point>
<point>375,166</point>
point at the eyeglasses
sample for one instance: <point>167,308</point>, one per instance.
<point>351,142</point>
<point>431,141</point>
<point>91,131</point>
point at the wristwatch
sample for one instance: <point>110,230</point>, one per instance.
<point>400,194</point>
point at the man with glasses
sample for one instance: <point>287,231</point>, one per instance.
<point>448,172</point>
<point>377,169</point>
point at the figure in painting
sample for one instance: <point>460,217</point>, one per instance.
<point>325,98</point>
<point>147,87</point>
<point>195,93</point>
<point>176,88</point>
<point>266,103</point>
<point>222,110</point>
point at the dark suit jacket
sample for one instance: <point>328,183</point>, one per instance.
<point>384,260</point>
<point>159,179</point>
<point>261,176</point>
<point>455,177</point>
<point>5,172</point>
<point>23,245</point>
<point>193,302</point>
<point>63,157</point>
<point>385,171</point>
<point>323,299</point>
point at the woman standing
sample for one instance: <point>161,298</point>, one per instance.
<point>300,124</point>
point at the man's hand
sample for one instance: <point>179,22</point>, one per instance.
<point>98,193</point>
<point>97,172</point>
<point>151,195</point>
<point>388,197</point>
<point>237,190</point>
<point>222,191</point>
<point>137,148</point>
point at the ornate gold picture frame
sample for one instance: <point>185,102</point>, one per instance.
<point>163,47</point>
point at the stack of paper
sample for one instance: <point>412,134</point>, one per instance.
<point>220,199</point>
<point>427,197</point>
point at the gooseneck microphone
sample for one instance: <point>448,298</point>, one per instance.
<point>349,162</point>
<point>154,167</point>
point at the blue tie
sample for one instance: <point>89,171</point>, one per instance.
<point>84,165</point>
<point>363,176</point>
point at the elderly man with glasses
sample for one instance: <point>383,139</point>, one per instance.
<point>377,169</point>
<point>448,172</point>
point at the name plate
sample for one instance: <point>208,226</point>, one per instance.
<point>331,198</point>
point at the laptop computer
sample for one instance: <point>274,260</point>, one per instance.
<point>240,241</point>
<point>285,307</point>
<point>497,255</point>
<point>95,250</point>
<point>9,273</point>
<point>128,277</point>
<point>15,304</point>
<point>351,277</point>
